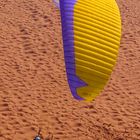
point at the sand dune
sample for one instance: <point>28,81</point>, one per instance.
<point>33,87</point>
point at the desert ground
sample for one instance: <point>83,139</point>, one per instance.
<point>34,92</point>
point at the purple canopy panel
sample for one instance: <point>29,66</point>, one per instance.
<point>67,13</point>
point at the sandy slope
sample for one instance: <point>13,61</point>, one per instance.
<point>33,88</point>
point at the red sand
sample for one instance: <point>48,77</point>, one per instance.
<point>33,88</point>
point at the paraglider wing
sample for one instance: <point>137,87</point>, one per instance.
<point>91,32</point>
